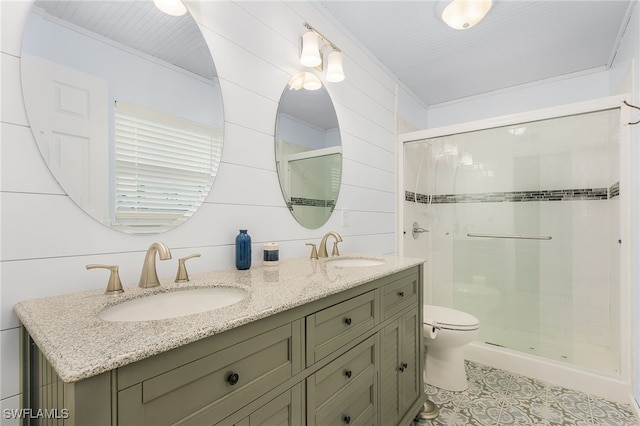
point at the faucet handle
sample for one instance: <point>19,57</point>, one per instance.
<point>314,251</point>
<point>335,251</point>
<point>182,276</point>
<point>115,285</point>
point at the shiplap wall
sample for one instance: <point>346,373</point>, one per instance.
<point>46,240</point>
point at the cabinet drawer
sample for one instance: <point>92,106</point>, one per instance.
<point>334,327</point>
<point>335,399</point>
<point>340,373</point>
<point>284,410</point>
<point>215,386</point>
<point>398,295</point>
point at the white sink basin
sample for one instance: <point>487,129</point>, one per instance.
<point>355,262</point>
<point>173,304</point>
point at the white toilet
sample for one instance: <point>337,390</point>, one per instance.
<point>446,331</point>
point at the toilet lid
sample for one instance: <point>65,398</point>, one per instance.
<point>449,317</point>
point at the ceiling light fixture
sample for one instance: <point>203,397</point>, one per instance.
<point>311,55</point>
<point>464,14</point>
<point>171,7</point>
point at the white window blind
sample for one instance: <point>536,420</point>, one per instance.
<point>164,166</point>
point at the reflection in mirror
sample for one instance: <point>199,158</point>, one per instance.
<point>124,103</point>
<point>308,153</point>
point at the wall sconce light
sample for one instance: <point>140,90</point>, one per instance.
<point>335,72</point>
<point>171,7</point>
<point>464,14</point>
<point>305,80</point>
<point>311,55</point>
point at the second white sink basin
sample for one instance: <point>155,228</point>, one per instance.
<point>173,304</point>
<point>355,262</point>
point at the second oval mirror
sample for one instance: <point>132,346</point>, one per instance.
<point>308,154</point>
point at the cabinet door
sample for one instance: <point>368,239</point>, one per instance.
<point>400,378</point>
<point>390,343</point>
<point>410,376</point>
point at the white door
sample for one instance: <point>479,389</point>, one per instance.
<point>68,114</point>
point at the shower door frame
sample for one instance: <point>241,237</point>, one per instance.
<point>626,291</point>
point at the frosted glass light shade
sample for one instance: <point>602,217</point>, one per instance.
<point>463,14</point>
<point>335,73</point>
<point>311,82</point>
<point>304,80</point>
<point>310,56</point>
<point>171,7</point>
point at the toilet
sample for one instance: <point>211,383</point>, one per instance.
<point>446,331</point>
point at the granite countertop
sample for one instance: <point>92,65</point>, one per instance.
<point>80,345</point>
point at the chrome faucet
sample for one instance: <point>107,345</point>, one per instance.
<point>149,276</point>
<point>322,251</point>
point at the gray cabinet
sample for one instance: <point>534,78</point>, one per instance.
<point>352,358</point>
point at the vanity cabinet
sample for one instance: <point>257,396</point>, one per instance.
<point>351,358</point>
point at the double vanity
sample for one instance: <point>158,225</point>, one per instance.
<point>318,342</point>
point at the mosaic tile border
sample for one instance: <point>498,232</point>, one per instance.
<point>497,397</point>
<point>311,202</point>
<point>519,196</point>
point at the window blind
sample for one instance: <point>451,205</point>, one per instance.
<point>164,166</point>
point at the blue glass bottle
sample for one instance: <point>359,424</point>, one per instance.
<point>243,250</point>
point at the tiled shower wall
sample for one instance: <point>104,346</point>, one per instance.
<point>47,240</point>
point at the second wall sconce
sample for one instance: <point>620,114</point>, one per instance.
<point>311,55</point>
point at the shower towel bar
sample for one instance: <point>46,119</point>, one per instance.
<point>517,237</point>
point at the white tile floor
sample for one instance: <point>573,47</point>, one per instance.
<point>499,398</point>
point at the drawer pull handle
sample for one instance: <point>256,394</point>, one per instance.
<point>347,373</point>
<point>347,321</point>
<point>401,293</point>
<point>346,419</point>
<point>403,366</point>
<point>233,378</point>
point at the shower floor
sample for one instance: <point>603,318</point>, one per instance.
<point>582,354</point>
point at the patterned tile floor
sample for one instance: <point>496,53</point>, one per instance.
<point>499,398</point>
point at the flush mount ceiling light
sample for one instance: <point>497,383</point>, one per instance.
<point>311,55</point>
<point>171,7</point>
<point>464,14</point>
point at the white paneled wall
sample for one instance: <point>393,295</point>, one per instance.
<point>47,240</point>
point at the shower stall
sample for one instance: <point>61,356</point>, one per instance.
<point>523,223</point>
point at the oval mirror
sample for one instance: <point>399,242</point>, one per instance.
<point>308,153</point>
<point>125,105</point>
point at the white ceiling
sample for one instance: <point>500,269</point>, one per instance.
<point>139,25</point>
<point>518,42</point>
